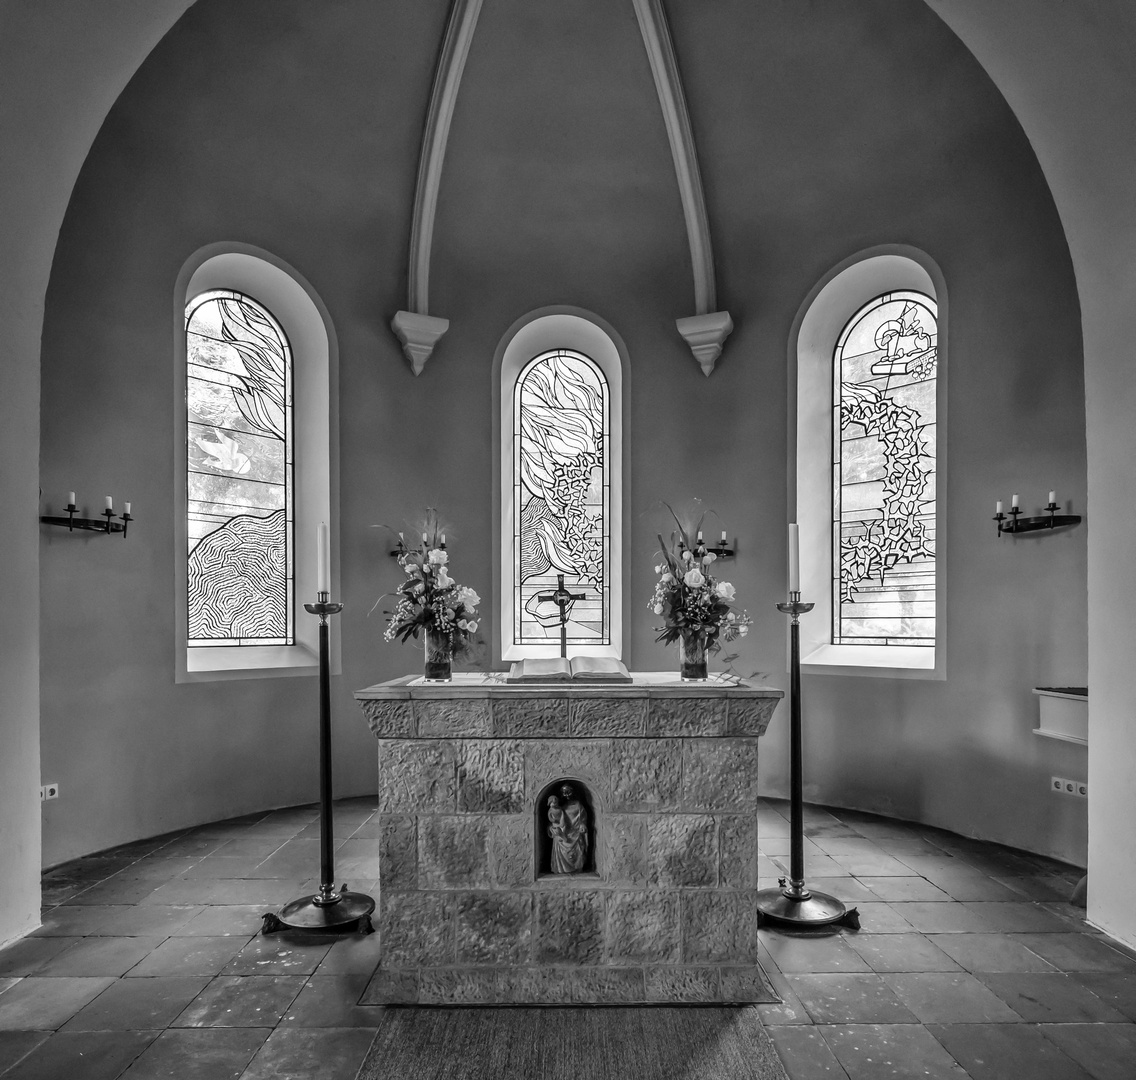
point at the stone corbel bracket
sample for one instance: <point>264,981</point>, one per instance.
<point>416,329</point>
<point>705,335</point>
<point>705,331</point>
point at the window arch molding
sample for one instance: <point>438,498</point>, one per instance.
<point>816,329</point>
<point>303,317</point>
<point>542,331</point>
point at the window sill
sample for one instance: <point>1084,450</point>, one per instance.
<point>873,661</point>
<point>247,662</point>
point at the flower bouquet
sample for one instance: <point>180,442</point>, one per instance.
<point>695,606</point>
<point>431,601</point>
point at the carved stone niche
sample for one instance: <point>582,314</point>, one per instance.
<point>565,831</point>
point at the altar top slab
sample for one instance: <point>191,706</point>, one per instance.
<point>656,704</point>
<point>492,683</point>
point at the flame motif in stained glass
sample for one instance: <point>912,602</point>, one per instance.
<point>239,473</point>
<point>884,473</point>
<point>561,498</point>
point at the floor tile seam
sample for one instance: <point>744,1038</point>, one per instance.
<point>1074,982</point>
<point>1020,1019</point>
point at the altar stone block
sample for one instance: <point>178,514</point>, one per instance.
<point>469,909</point>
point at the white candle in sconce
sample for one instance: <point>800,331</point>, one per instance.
<point>723,537</point>
<point>998,507</point>
<point>442,539</point>
<point>323,561</point>
<point>127,510</point>
<point>1014,501</point>
<point>794,558</point>
<point>109,503</point>
<point>70,498</point>
<point>1052,498</point>
<point>424,540</point>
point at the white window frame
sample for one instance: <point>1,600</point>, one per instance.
<point>822,317</point>
<point>297,309</point>
<point>537,333</point>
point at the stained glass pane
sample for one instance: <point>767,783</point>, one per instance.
<point>883,465</point>
<point>561,499</point>
<point>239,502</point>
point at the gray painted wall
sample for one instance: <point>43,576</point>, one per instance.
<point>820,132</point>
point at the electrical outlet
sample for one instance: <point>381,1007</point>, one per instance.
<point>51,791</point>
<point>1079,789</point>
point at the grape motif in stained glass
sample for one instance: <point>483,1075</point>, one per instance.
<point>239,473</point>
<point>561,498</point>
<point>884,473</point>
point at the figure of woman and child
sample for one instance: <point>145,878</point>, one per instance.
<point>568,830</point>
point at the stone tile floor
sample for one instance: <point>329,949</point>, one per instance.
<point>969,963</point>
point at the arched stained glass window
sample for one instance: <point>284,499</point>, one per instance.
<point>239,474</point>
<point>883,468</point>
<point>561,499</point>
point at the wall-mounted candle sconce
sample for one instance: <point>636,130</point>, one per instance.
<point>106,523</point>
<point>722,549</point>
<point>1015,523</point>
<point>401,549</point>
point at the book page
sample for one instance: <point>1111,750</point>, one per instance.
<point>547,669</point>
<point>599,669</point>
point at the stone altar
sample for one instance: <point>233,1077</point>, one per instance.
<point>469,910</point>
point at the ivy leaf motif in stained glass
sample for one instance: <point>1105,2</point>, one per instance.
<point>884,469</point>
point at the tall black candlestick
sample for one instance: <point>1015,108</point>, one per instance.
<point>328,909</point>
<point>792,903</point>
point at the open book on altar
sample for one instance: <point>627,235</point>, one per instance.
<point>578,669</point>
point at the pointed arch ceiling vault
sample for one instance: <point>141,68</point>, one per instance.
<point>418,331</point>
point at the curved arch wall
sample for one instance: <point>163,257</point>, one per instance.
<point>817,139</point>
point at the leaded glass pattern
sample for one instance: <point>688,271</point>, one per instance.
<point>884,418</point>
<point>239,465</point>
<point>561,498</point>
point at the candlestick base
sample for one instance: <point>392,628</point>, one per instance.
<point>786,906</point>
<point>317,913</point>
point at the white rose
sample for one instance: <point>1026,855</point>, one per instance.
<point>444,579</point>
<point>438,557</point>
<point>667,578</point>
<point>694,578</point>
<point>470,598</point>
<point>725,590</point>
<point>743,630</point>
<point>688,556</point>
<point>659,568</point>
<point>708,558</point>
<point>658,609</point>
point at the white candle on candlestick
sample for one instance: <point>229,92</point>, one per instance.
<point>998,507</point>
<point>723,536</point>
<point>109,503</point>
<point>323,563</point>
<point>794,558</point>
<point>1052,497</point>
<point>70,498</point>
<point>424,540</point>
<point>1014,501</point>
<point>127,510</point>
<point>443,539</point>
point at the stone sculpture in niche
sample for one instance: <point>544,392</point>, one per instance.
<point>568,830</point>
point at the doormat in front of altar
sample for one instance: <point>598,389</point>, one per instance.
<point>519,1043</point>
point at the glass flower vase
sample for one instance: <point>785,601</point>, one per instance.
<point>439,657</point>
<point>692,650</point>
